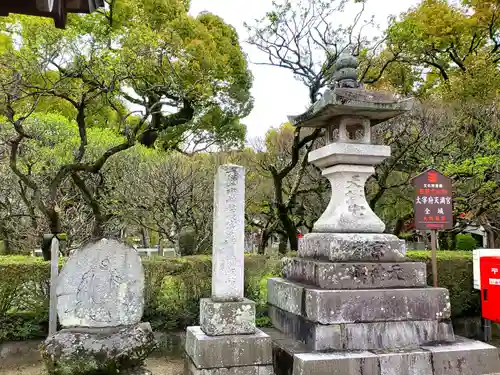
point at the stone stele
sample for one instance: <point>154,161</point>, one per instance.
<point>101,285</point>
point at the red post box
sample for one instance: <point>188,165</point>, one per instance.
<point>490,288</point>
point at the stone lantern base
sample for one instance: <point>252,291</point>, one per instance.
<point>350,304</point>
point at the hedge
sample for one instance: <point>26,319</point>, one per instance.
<point>174,287</point>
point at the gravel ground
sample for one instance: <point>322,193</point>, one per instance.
<point>156,365</point>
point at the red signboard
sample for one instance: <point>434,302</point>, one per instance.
<point>433,203</point>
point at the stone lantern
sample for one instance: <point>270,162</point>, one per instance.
<point>350,303</point>
<point>347,112</point>
<point>56,9</point>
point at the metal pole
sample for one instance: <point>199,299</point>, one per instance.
<point>54,270</point>
<point>434,258</point>
<point>487,330</point>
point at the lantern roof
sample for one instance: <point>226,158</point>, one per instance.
<point>346,97</point>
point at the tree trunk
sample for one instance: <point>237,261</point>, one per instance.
<point>283,244</point>
<point>264,240</point>
<point>54,220</point>
<point>145,238</point>
<point>290,229</point>
<point>7,247</point>
<point>160,248</point>
<point>283,213</point>
<point>399,227</point>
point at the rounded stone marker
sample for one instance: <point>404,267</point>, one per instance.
<point>101,285</point>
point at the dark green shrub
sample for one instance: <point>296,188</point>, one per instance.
<point>465,242</point>
<point>174,287</point>
<point>188,243</point>
<point>455,274</point>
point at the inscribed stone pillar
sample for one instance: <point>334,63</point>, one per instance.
<point>227,341</point>
<point>228,234</point>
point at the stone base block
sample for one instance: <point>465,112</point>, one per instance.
<point>338,363</point>
<point>191,369</point>
<point>228,351</point>
<point>341,247</point>
<point>405,362</point>
<point>362,305</point>
<point>464,357</point>
<point>360,336</point>
<point>326,275</point>
<point>316,337</point>
<point>100,350</point>
<point>227,318</point>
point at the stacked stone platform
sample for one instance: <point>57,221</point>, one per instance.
<point>350,304</point>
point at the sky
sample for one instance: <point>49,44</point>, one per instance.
<point>275,90</point>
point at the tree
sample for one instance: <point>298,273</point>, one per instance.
<point>458,45</point>
<point>168,193</point>
<point>278,155</point>
<point>189,74</point>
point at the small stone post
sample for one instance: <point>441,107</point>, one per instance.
<point>227,337</point>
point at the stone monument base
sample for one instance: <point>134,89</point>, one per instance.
<point>85,351</point>
<point>249,354</point>
<point>461,357</point>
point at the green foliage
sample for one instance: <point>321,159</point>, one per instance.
<point>188,243</point>
<point>172,293</point>
<point>174,287</point>
<point>458,45</point>
<point>466,242</point>
<point>455,274</point>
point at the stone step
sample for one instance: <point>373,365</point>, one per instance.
<point>228,351</point>
<point>361,336</point>
<point>463,357</point>
<point>327,275</point>
<point>360,305</point>
<point>356,247</point>
<point>191,369</point>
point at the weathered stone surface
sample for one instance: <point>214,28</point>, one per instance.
<point>101,285</point>
<point>90,350</point>
<point>285,295</point>
<point>342,247</point>
<point>350,306</point>
<point>464,357</point>
<point>284,350</point>
<point>374,305</point>
<point>228,234</point>
<point>228,351</point>
<point>328,275</point>
<point>360,336</point>
<point>227,318</point>
<point>316,337</point>
<point>405,362</point>
<point>338,363</point>
<point>348,211</point>
<point>191,369</point>
<point>349,153</point>
<point>351,102</point>
<point>391,335</point>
